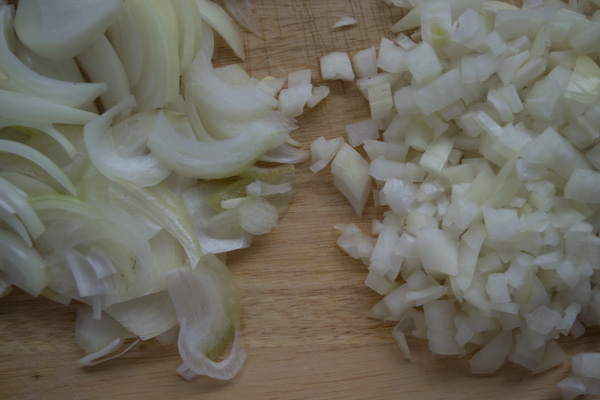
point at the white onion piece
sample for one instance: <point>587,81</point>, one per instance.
<point>22,264</point>
<point>145,316</point>
<point>19,106</point>
<point>186,16</point>
<point>158,83</point>
<point>42,25</point>
<point>336,65</point>
<point>102,64</point>
<point>216,98</point>
<point>286,153</point>
<point>40,160</point>
<point>168,210</point>
<point>207,304</point>
<point>293,99</point>
<point>46,128</point>
<point>124,35</point>
<point>322,152</point>
<point>257,215</point>
<point>221,22</point>
<point>318,94</point>
<point>23,79</point>
<point>344,21</point>
<point>211,241</point>
<point>364,62</point>
<point>15,202</point>
<point>62,70</point>
<point>361,131</point>
<point>423,63</point>
<point>94,358</point>
<point>350,172</point>
<point>92,335</point>
<point>110,157</point>
<point>209,160</point>
<point>584,379</point>
<point>583,185</point>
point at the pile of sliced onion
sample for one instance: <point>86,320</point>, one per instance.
<point>130,166</point>
<point>486,163</point>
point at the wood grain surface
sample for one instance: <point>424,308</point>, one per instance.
<point>304,319</point>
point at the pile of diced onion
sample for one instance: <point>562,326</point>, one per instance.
<point>483,150</point>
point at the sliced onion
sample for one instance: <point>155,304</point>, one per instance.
<point>109,157</point>
<point>102,64</point>
<point>62,29</point>
<point>207,305</point>
<point>209,160</point>
<point>23,79</point>
<point>158,83</point>
<point>124,35</point>
<point>22,264</point>
<point>218,19</point>
<point>39,159</point>
<point>15,202</point>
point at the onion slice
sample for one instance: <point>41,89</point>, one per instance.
<point>109,157</point>
<point>59,29</point>
<point>209,160</point>
<point>23,79</point>
<point>22,264</point>
<point>207,304</point>
<point>40,160</point>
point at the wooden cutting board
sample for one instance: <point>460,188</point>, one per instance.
<point>304,319</point>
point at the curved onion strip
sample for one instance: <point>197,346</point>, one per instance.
<point>41,24</point>
<point>43,127</point>
<point>13,200</point>
<point>142,169</point>
<point>221,22</point>
<point>62,70</point>
<point>186,13</point>
<point>257,216</point>
<point>124,36</point>
<point>15,224</point>
<point>220,99</point>
<point>78,222</point>
<point>102,64</point>
<point>40,160</point>
<point>25,80</point>
<point>286,153</point>
<point>160,204</point>
<point>191,113</point>
<point>25,107</point>
<point>198,205</point>
<point>91,335</point>
<point>207,304</point>
<point>93,359</point>
<point>209,160</point>
<point>29,185</point>
<point>61,202</point>
<point>22,264</point>
<point>197,364</point>
<point>158,83</point>
<point>145,316</point>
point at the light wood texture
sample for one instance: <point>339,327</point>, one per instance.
<point>304,319</point>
